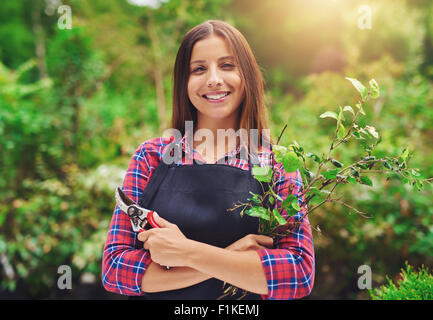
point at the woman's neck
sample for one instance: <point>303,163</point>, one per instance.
<point>213,140</point>
<point>214,126</point>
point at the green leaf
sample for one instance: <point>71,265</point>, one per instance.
<point>310,174</point>
<point>341,132</point>
<point>349,108</point>
<point>357,135</point>
<point>314,190</point>
<point>255,198</point>
<point>341,116</point>
<point>314,156</point>
<point>278,217</point>
<point>262,174</point>
<point>370,158</point>
<point>289,200</point>
<point>372,131</point>
<point>366,181</point>
<point>359,87</point>
<point>324,193</point>
<point>271,200</point>
<point>296,147</point>
<point>355,172</point>
<point>336,163</point>
<point>419,185</point>
<point>359,106</point>
<point>361,166</point>
<point>375,91</point>
<point>404,154</point>
<point>258,212</point>
<point>279,151</point>
<point>290,211</point>
<point>275,195</point>
<point>296,206</point>
<point>387,165</point>
<point>414,172</point>
<point>351,179</point>
<point>291,162</point>
<point>331,174</point>
<point>329,114</point>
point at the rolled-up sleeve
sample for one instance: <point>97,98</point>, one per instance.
<point>290,266</point>
<point>124,262</point>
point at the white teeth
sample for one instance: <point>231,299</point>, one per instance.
<point>216,97</point>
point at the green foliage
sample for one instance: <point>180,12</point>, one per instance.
<point>15,32</point>
<point>288,158</point>
<point>48,227</point>
<point>402,217</point>
<point>411,286</point>
<point>293,158</point>
<point>22,126</point>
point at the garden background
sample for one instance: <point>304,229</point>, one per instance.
<point>81,87</point>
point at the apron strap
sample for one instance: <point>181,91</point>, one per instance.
<point>157,177</point>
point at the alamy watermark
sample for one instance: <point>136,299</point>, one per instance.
<point>364,281</point>
<point>218,143</point>
<point>64,11</point>
<point>65,20</point>
<point>65,280</point>
<point>364,20</point>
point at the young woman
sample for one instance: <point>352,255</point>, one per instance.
<point>217,85</point>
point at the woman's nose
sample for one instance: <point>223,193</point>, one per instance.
<point>214,77</point>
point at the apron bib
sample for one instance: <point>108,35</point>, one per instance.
<point>195,198</point>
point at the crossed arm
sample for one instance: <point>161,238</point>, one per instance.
<point>195,262</point>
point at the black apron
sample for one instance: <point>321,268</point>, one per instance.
<point>195,198</point>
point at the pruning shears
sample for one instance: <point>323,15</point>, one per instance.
<point>141,218</point>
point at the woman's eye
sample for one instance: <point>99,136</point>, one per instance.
<point>198,69</point>
<point>227,65</point>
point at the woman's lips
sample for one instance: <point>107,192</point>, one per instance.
<point>217,100</point>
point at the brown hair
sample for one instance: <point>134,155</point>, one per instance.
<point>253,110</point>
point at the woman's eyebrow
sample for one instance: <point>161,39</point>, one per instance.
<point>203,61</point>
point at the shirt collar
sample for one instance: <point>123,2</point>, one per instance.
<point>187,147</point>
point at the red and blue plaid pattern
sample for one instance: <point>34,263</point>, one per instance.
<point>289,267</point>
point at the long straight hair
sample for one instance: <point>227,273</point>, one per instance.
<point>253,111</point>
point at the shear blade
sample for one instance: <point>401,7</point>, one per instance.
<point>124,197</point>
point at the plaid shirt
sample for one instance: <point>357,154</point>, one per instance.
<point>289,266</point>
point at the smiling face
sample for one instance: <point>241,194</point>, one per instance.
<point>215,87</point>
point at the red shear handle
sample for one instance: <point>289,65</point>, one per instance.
<point>151,220</point>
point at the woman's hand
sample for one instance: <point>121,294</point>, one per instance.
<point>166,244</point>
<point>252,242</point>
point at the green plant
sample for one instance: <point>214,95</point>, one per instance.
<point>412,286</point>
<point>329,172</point>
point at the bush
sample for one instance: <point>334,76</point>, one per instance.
<point>412,286</point>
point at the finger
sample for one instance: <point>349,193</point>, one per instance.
<point>143,236</point>
<point>161,221</point>
<point>264,240</point>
